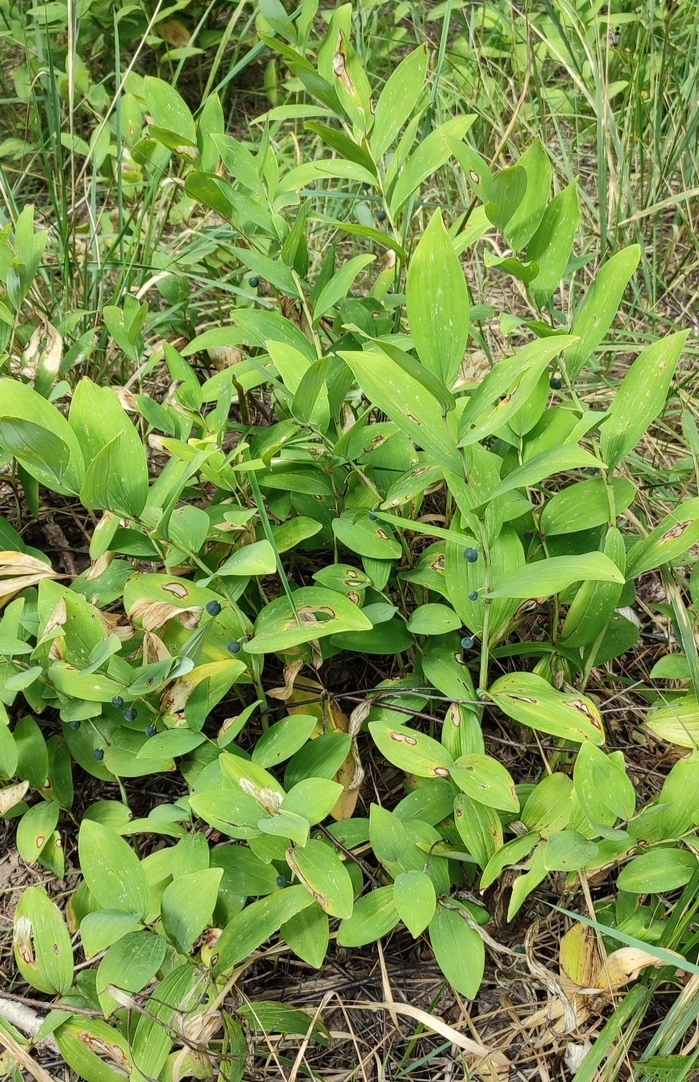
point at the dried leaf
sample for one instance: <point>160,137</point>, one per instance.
<point>19,570</point>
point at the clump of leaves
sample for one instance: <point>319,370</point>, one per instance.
<point>129,672</point>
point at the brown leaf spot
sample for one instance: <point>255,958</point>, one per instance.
<point>176,589</point>
<point>402,738</point>
<point>340,66</point>
<point>674,533</point>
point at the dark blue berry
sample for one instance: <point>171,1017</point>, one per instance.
<point>74,725</point>
<point>131,714</point>
<point>528,534</point>
<point>381,215</point>
<point>233,647</point>
<point>470,555</point>
<point>591,471</point>
<point>254,282</point>
<point>98,754</point>
<point>372,516</point>
<point>555,384</point>
<point>473,596</point>
<point>151,730</point>
<point>117,702</point>
<point>213,608</point>
<point>467,642</point>
<point>281,881</point>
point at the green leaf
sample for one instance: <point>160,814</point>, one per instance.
<point>407,402</point>
<point>99,421</point>
<point>345,146</point>
<point>529,699</point>
<point>335,291</point>
<point>595,602</point>
<point>599,306</point>
<point>100,929</point>
<point>273,12</point>
<point>176,996</point>
<point>438,303</point>
<point>677,722</point>
<point>320,612</point>
<point>308,935</point>
<point>525,221</point>
<point>112,870</point>
<point>479,828</point>
<point>320,758</point>
<point>77,1041</point>
<point>360,534</point>
<point>255,559</point>
<point>272,270</point>
<point>566,851</point>
<point>415,369</point>
<point>129,965</point>
<point>310,404</point>
<point>188,528</point>
<point>91,687</point>
<point>169,110</point>
<point>507,191</point>
<point>269,1017</point>
<point>507,388</point>
<point>102,488</point>
<point>486,780</point>
<point>398,99</point>
<point>458,948</point>
<point>658,871</point>
<point>374,916</point>
<point>20,402</point>
<point>256,923</point>
<point>314,798</point>
<point>41,452</point>
<point>584,505</point>
<point>42,947</point>
<point>548,577</point>
<point>552,244</point>
<point>325,876</point>
<point>415,899</point>
<point>32,753</point>
<point>428,156</point>
<point>35,828</point>
<point>283,739</point>
<point>243,871</point>
<point>548,807</point>
<point>535,469</point>
<point>445,668</point>
<point>513,852</point>
<point>387,834</point>
<point>601,782</point>
<point>286,824</point>
<point>680,795</point>
<point>433,619</point>
<point>411,750</point>
<point>674,536</point>
<point>171,743</point>
<point>187,906</point>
